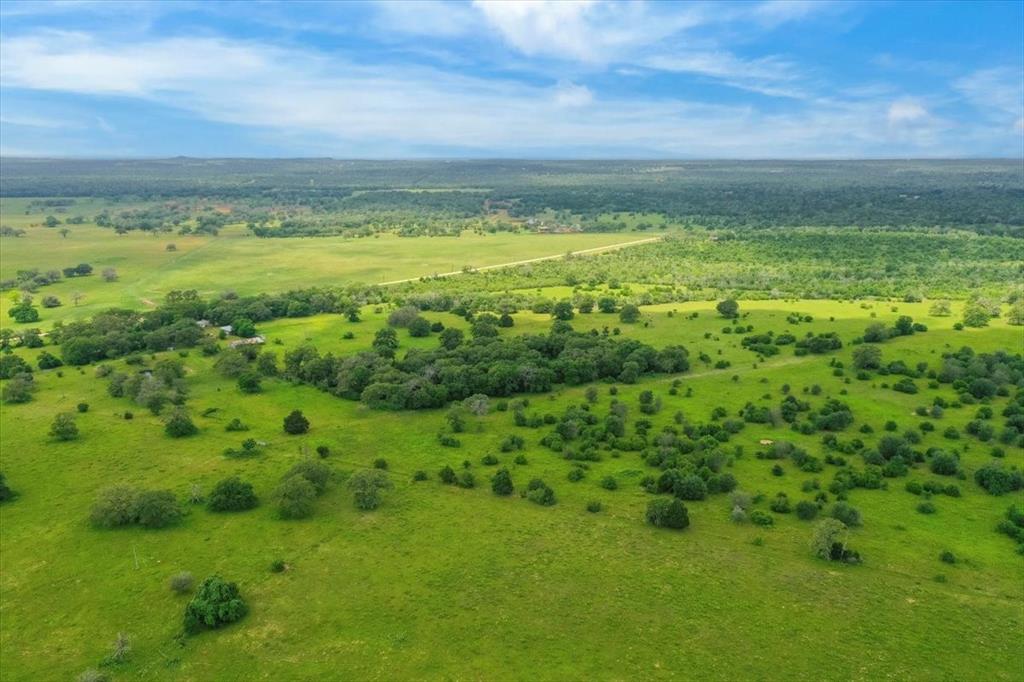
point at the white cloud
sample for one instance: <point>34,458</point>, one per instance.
<point>330,106</point>
<point>996,92</point>
<point>571,95</point>
<point>906,112</point>
<point>588,31</point>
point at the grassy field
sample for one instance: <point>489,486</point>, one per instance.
<point>453,584</point>
<point>235,260</point>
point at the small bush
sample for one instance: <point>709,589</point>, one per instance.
<point>667,513</point>
<point>83,408</point>
<point>236,425</point>
<point>180,426</point>
<point>594,506</point>
<point>216,603</point>
<point>232,494</point>
<point>806,510</point>
<point>296,423</point>
<point>366,487</point>
<point>609,483</point>
<point>501,483</point>
<point>296,498</point>
<point>540,493</point>
<point>181,583</point>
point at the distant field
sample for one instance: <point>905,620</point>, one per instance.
<point>237,261</point>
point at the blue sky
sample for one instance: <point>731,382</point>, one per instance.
<point>598,79</point>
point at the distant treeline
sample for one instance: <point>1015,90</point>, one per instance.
<point>985,196</point>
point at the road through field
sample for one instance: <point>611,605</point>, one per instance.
<point>596,249</point>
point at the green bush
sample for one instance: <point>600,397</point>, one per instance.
<point>296,498</point>
<point>667,513</point>
<point>63,427</point>
<point>501,483</point>
<point>366,487</point>
<point>156,509</point>
<point>540,493</point>
<point>806,510</point>
<point>215,604</point>
<point>296,423</point>
<point>180,426</point>
<point>232,494</point>
<point>847,514</point>
<point>181,583</point>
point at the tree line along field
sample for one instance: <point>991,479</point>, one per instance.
<point>769,442</point>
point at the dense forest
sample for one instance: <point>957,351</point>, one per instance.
<point>982,196</point>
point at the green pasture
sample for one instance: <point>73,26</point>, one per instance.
<point>237,261</point>
<point>444,583</point>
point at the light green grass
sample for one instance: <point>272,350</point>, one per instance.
<point>450,584</point>
<point>237,261</point>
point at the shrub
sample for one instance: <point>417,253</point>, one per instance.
<point>278,566</point>
<point>295,498</point>
<point>947,557</point>
<point>181,583</point>
<point>667,513</point>
<point>806,510</point>
<point>317,473</point>
<point>501,483</point>
<point>249,382</point>
<point>215,604</point>
<point>155,509</point>
<point>380,463</point>
<point>63,427</point>
<point>594,506</point>
<point>690,487</point>
<point>420,475</point>
<point>296,423</point>
<point>366,487</point>
<point>236,425</point>
<point>114,507</point>
<point>847,514</point>
<point>466,480</point>
<point>232,494</point>
<point>609,483</point>
<point>780,505</point>
<point>447,475</point>
<point>540,493</point>
<point>926,507</point>
<point>521,460</point>
<point>180,425</point>
<point>944,464</point>
<point>48,360</point>
<point>489,460</point>
<point>19,389</point>
<point>828,534</point>
<point>996,480</point>
<point>576,474</point>
<point>82,408</point>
